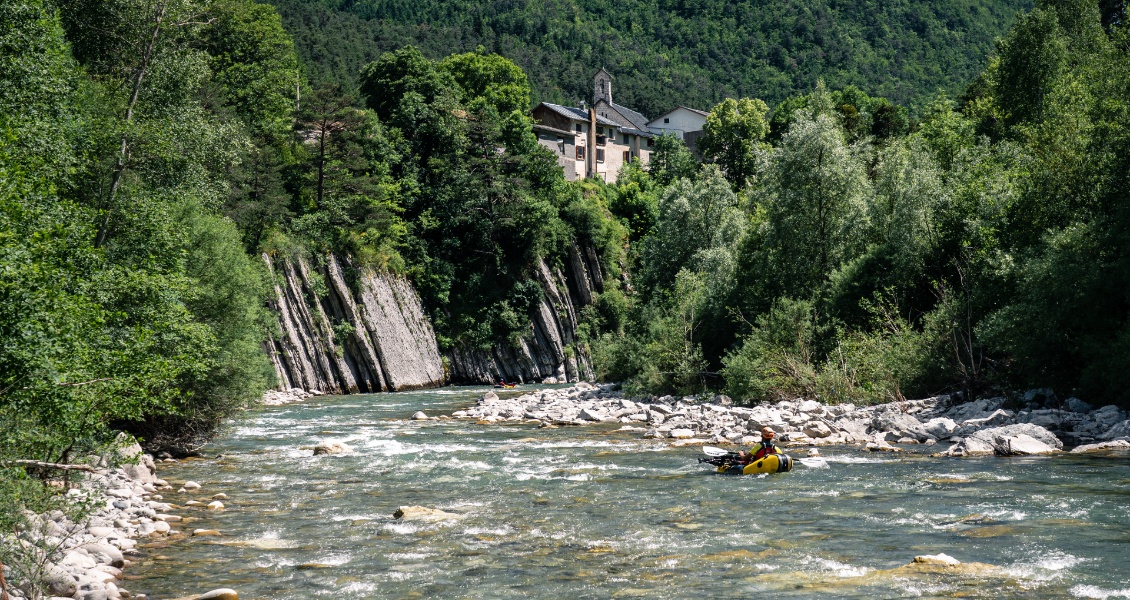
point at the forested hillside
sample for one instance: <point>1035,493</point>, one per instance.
<point>827,251</point>
<point>668,52</point>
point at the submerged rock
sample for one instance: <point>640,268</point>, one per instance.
<point>423,513</point>
<point>331,448</point>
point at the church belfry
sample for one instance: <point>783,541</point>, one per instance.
<point>602,87</point>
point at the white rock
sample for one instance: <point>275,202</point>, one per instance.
<point>937,559</point>
<point>587,414</point>
<point>220,594</point>
<point>191,485</point>
<point>423,513</point>
<point>1111,445</point>
<point>214,505</point>
<point>682,433</point>
<point>810,406</point>
<point>419,416</point>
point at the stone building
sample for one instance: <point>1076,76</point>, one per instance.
<point>594,141</point>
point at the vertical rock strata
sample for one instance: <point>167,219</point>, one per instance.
<point>337,338</point>
<point>345,330</point>
<point>547,353</point>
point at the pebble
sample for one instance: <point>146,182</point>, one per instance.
<point>91,557</point>
<point>191,485</point>
<point>216,505</point>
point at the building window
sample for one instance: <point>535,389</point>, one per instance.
<point>561,146</point>
<point>627,156</point>
<point>601,140</point>
<point>578,127</point>
<point>625,139</point>
<point>600,155</point>
<point>650,142</point>
<point>580,152</point>
<point>666,120</point>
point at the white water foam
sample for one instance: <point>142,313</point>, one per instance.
<point>834,567</point>
<point>1092,591</point>
<point>1049,565</point>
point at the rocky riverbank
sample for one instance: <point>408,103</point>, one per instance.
<point>85,561</point>
<point>1035,423</point>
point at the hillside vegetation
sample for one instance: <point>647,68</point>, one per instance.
<point>668,52</point>
<point>831,248</point>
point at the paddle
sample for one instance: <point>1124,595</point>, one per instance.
<point>714,452</point>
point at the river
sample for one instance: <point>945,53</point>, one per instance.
<point>588,512</point>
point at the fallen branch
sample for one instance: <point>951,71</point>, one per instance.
<point>45,465</point>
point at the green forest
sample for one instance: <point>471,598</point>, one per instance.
<point>665,53</point>
<point>831,243</point>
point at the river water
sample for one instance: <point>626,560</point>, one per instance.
<point>588,512</point>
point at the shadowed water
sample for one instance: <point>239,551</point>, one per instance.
<point>593,513</point>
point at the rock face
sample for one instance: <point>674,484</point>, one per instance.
<point>547,353</point>
<point>348,330</point>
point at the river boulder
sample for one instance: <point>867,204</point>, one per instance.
<point>1119,430</point>
<point>58,581</point>
<point>897,425</point>
<point>1102,446</point>
<point>105,554</point>
<point>330,448</point>
<point>937,559</point>
<point>1020,445</point>
<point>423,513</point>
<point>939,428</point>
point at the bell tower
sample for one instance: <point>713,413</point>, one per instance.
<point>602,87</point>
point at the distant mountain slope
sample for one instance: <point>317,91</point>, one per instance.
<point>668,52</point>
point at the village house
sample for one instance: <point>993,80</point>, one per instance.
<point>597,140</point>
<point>594,141</point>
<point>682,122</point>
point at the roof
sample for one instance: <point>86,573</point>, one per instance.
<point>549,129</point>
<point>687,108</point>
<point>577,114</point>
<point>636,118</point>
<point>638,132</point>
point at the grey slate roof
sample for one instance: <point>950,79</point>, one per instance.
<point>540,127</point>
<point>577,114</point>
<point>639,132</point>
<point>636,118</point>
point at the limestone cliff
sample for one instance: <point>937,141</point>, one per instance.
<point>547,353</point>
<point>371,336</point>
<point>344,330</point>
